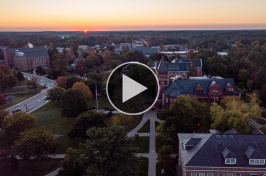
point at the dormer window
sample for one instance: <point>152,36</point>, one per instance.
<point>257,161</point>
<point>215,92</point>
<point>230,161</point>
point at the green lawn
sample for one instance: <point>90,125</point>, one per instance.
<point>143,143</point>
<point>145,128</point>
<point>49,117</point>
<point>31,167</point>
<point>102,101</point>
<point>144,166</point>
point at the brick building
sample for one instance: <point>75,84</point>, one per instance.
<point>205,89</point>
<point>221,155</point>
<point>27,58</point>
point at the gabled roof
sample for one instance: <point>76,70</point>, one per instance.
<point>232,131</point>
<point>162,68</point>
<point>212,152</point>
<point>28,52</point>
<point>227,153</point>
<point>187,86</point>
<point>253,153</point>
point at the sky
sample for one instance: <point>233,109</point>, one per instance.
<point>106,15</point>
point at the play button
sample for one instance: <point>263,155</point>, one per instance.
<point>132,88</point>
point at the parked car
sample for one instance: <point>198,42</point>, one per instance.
<point>16,110</point>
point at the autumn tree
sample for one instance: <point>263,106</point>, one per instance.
<point>73,103</point>
<point>60,64</point>
<point>165,159</point>
<point>13,125</point>
<point>85,90</point>
<point>235,114</point>
<point>121,118</point>
<point>61,81</point>
<point>55,93</point>
<point>36,143</point>
<point>86,121</point>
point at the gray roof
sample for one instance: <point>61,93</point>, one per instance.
<point>145,50</point>
<point>162,68</point>
<point>29,52</point>
<point>212,152</point>
<point>232,131</point>
<point>187,86</point>
<point>181,65</point>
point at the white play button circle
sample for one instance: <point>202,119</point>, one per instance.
<point>132,88</point>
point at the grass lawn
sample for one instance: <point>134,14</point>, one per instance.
<point>144,166</point>
<point>33,167</point>
<point>129,125</point>
<point>102,101</point>
<point>166,173</point>
<point>145,128</point>
<point>49,117</point>
<point>143,143</point>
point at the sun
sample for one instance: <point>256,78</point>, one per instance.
<point>85,30</point>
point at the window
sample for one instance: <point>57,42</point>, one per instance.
<point>238,175</point>
<point>209,174</point>
<point>166,100</point>
<point>257,161</point>
<point>230,161</point>
<point>201,174</point>
<point>220,174</point>
<point>193,174</point>
<point>162,83</point>
<point>229,174</point>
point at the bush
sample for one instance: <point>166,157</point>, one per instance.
<point>40,71</point>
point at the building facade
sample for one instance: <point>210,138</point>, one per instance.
<point>221,155</point>
<point>27,58</point>
<point>174,82</point>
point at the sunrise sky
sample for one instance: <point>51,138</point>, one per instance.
<point>104,15</point>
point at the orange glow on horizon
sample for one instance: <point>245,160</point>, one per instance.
<point>106,15</point>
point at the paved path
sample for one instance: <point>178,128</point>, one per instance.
<point>152,155</point>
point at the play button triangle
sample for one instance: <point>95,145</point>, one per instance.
<point>130,88</point>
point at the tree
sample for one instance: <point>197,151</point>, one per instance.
<point>85,90</point>
<point>60,64</point>
<point>3,113</point>
<point>13,125</point>
<point>120,119</point>
<point>4,69</point>
<point>73,103</point>
<point>33,83</point>
<point>20,76</point>
<point>71,165</point>
<point>40,71</point>
<point>55,93</point>
<point>2,99</point>
<point>86,121</point>
<point>35,143</point>
<point>108,151</point>
<point>71,80</point>
<point>61,81</point>
<point>165,159</point>
<point>235,114</point>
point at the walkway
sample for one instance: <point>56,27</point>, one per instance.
<point>152,155</point>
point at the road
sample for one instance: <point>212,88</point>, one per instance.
<point>36,101</point>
